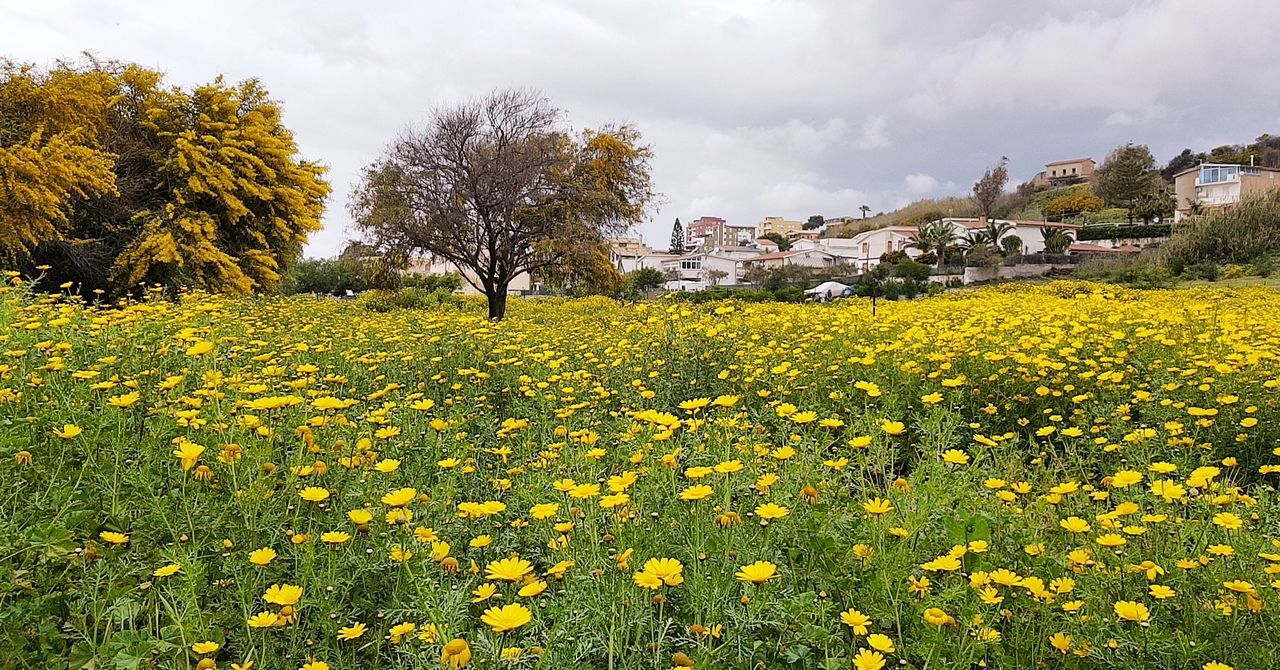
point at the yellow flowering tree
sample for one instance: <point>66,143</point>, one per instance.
<point>113,180</point>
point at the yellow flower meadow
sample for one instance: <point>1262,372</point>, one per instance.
<point>1066,474</point>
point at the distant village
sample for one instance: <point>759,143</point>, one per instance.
<point>717,252</point>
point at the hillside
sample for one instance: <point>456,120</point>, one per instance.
<point>911,214</point>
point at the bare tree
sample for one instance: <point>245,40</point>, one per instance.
<point>987,191</point>
<point>499,187</point>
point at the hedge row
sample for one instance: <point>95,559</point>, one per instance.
<point>1123,232</point>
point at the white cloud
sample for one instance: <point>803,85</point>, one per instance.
<point>873,133</point>
<point>1138,117</point>
<point>920,183</point>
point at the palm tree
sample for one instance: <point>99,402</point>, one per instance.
<point>934,236</point>
<point>864,209</point>
<point>1056,240</point>
<point>995,231</point>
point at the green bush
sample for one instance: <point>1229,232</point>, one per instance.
<point>1122,232</point>
<point>1264,266</point>
<point>326,276</point>
<point>1206,270</point>
<point>911,270</point>
<point>1249,231</point>
<point>1136,271</point>
<point>1236,271</point>
<point>789,294</point>
<point>446,282</point>
<point>1108,215</point>
<point>382,300</point>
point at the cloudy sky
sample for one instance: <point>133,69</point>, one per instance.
<point>754,107</point>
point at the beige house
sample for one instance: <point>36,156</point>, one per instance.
<point>1062,173</point>
<point>1211,186</point>
<point>520,285</point>
<point>779,225</point>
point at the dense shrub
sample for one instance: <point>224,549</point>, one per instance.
<point>1136,271</point>
<point>1122,232</point>
<point>327,276</point>
<point>382,300</point>
<point>446,282</point>
<point>1243,234</point>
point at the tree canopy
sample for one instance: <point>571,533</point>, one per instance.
<point>499,186</point>
<point>1127,177</point>
<point>988,189</point>
<point>113,179</point>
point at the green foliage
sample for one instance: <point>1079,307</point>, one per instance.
<point>1123,232</point>
<point>547,200</point>
<point>326,276</point>
<point>446,282</point>
<point>1139,271</point>
<point>644,279</point>
<point>1056,240</point>
<point>1127,177</point>
<point>1264,151</point>
<point>115,180</point>
<point>988,189</point>
<point>382,300</point>
<point>1242,234</point>
<point>911,270</point>
<point>783,243</point>
<point>677,238</point>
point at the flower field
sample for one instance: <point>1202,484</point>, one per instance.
<point>1056,476</point>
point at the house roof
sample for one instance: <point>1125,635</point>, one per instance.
<point>784,254</point>
<point>1068,162</point>
<point>1090,248</point>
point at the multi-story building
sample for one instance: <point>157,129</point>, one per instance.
<point>699,270</point>
<point>1063,173</point>
<point>709,232</point>
<point>779,225</point>
<point>1211,186</point>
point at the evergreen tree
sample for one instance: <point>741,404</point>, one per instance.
<point>1127,177</point>
<point>677,238</point>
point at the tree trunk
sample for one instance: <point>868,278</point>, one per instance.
<point>497,297</point>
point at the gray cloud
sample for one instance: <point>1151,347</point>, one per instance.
<point>754,107</point>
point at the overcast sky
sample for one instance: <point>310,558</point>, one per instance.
<point>754,107</point>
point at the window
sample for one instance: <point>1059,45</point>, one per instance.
<point>1250,170</point>
<point>1073,170</point>
<point>1218,173</point>
<point>866,247</point>
<point>691,264</point>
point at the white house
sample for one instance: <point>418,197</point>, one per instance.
<point>1029,232</point>
<point>699,270</point>
<point>812,258</point>
<point>865,249</point>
